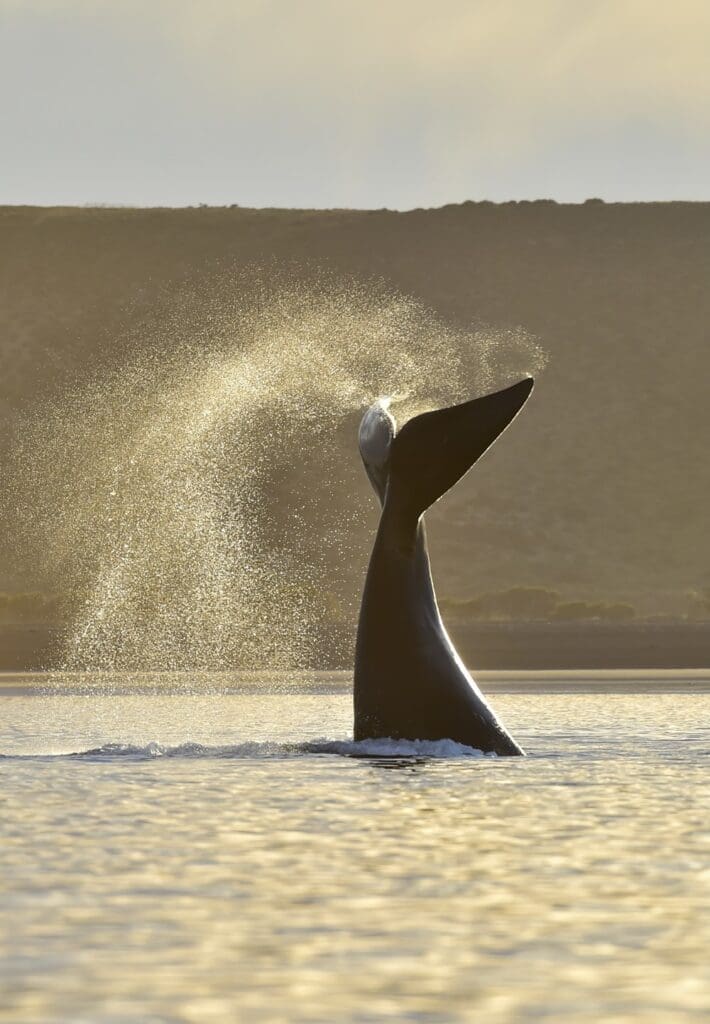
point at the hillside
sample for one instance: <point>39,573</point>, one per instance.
<point>598,493</point>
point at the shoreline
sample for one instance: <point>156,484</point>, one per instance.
<point>339,682</point>
<point>486,646</point>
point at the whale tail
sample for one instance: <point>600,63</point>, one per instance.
<point>434,450</point>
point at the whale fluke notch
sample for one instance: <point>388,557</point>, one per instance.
<point>409,681</point>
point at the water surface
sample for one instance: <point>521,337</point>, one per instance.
<point>218,850</point>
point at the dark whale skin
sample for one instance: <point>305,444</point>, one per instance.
<point>409,681</point>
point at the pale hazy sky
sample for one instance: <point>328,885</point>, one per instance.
<point>323,103</point>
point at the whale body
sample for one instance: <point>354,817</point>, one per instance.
<point>409,682</point>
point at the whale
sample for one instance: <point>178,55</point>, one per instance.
<point>409,681</point>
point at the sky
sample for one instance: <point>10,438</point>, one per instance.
<point>353,103</point>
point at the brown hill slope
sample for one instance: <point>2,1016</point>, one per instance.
<point>599,492</point>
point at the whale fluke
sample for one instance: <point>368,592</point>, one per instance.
<point>434,450</point>
<point>410,683</point>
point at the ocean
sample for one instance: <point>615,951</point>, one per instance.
<point>216,848</point>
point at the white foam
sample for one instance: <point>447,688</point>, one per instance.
<point>253,750</point>
<point>386,747</point>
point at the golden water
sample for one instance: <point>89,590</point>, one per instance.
<point>225,856</point>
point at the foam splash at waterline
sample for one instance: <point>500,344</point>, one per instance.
<point>384,748</point>
<point>195,508</point>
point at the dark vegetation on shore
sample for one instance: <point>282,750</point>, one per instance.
<point>593,509</point>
